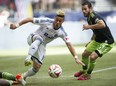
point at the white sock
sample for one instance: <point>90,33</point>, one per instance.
<point>34,47</point>
<point>30,72</point>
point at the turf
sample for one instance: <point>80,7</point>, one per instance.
<point>14,64</point>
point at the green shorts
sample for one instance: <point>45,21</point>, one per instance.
<point>99,48</point>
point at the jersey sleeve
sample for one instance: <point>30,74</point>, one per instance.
<point>65,36</point>
<point>97,19</point>
<point>42,21</point>
<point>66,39</point>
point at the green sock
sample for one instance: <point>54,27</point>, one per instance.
<point>85,60</point>
<point>8,76</point>
<point>91,67</point>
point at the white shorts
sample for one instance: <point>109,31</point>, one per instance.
<point>39,56</point>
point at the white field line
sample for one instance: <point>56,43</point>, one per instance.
<point>111,68</point>
<point>97,71</point>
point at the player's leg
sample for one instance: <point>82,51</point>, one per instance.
<point>34,41</point>
<point>37,62</point>
<point>92,64</point>
<point>85,57</point>
<point>8,76</point>
<point>32,71</point>
<point>90,68</point>
<point>85,60</point>
<point>101,50</point>
<point>34,47</point>
<point>4,82</point>
<point>91,47</point>
<point>8,79</point>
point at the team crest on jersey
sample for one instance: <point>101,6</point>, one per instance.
<point>96,20</point>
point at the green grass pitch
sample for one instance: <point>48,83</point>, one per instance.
<point>104,72</point>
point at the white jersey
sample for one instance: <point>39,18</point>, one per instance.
<point>47,32</point>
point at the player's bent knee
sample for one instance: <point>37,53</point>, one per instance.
<point>37,67</point>
<point>85,54</point>
<point>93,57</point>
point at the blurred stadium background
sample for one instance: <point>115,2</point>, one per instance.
<point>16,10</point>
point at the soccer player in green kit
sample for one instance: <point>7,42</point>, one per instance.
<point>100,44</point>
<point>8,79</point>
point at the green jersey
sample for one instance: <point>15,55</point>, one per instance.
<point>103,34</point>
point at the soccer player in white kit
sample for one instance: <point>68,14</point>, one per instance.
<point>49,30</point>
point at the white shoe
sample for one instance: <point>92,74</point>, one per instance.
<point>20,78</point>
<point>28,61</point>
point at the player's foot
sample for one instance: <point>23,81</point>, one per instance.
<point>19,78</point>
<point>84,77</point>
<point>28,61</point>
<point>78,74</point>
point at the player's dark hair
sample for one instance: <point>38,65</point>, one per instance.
<point>87,3</point>
<point>62,16</point>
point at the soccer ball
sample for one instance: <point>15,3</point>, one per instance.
<point>54,71</point>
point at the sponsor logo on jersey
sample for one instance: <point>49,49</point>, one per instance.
<point>42,21</point>
<point>51,37</point>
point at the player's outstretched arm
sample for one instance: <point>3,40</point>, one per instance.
<point>73,52</point>
<point>14,26</point>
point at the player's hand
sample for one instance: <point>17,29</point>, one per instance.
<point>28,61</point>
<point>14,26</point>
<point>79,61</point>
<point>86,27</point>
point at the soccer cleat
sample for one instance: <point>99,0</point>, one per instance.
<point>84,77</point>
<point>78,74</point>
<point>19,78</point>
<point>28,61</point>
